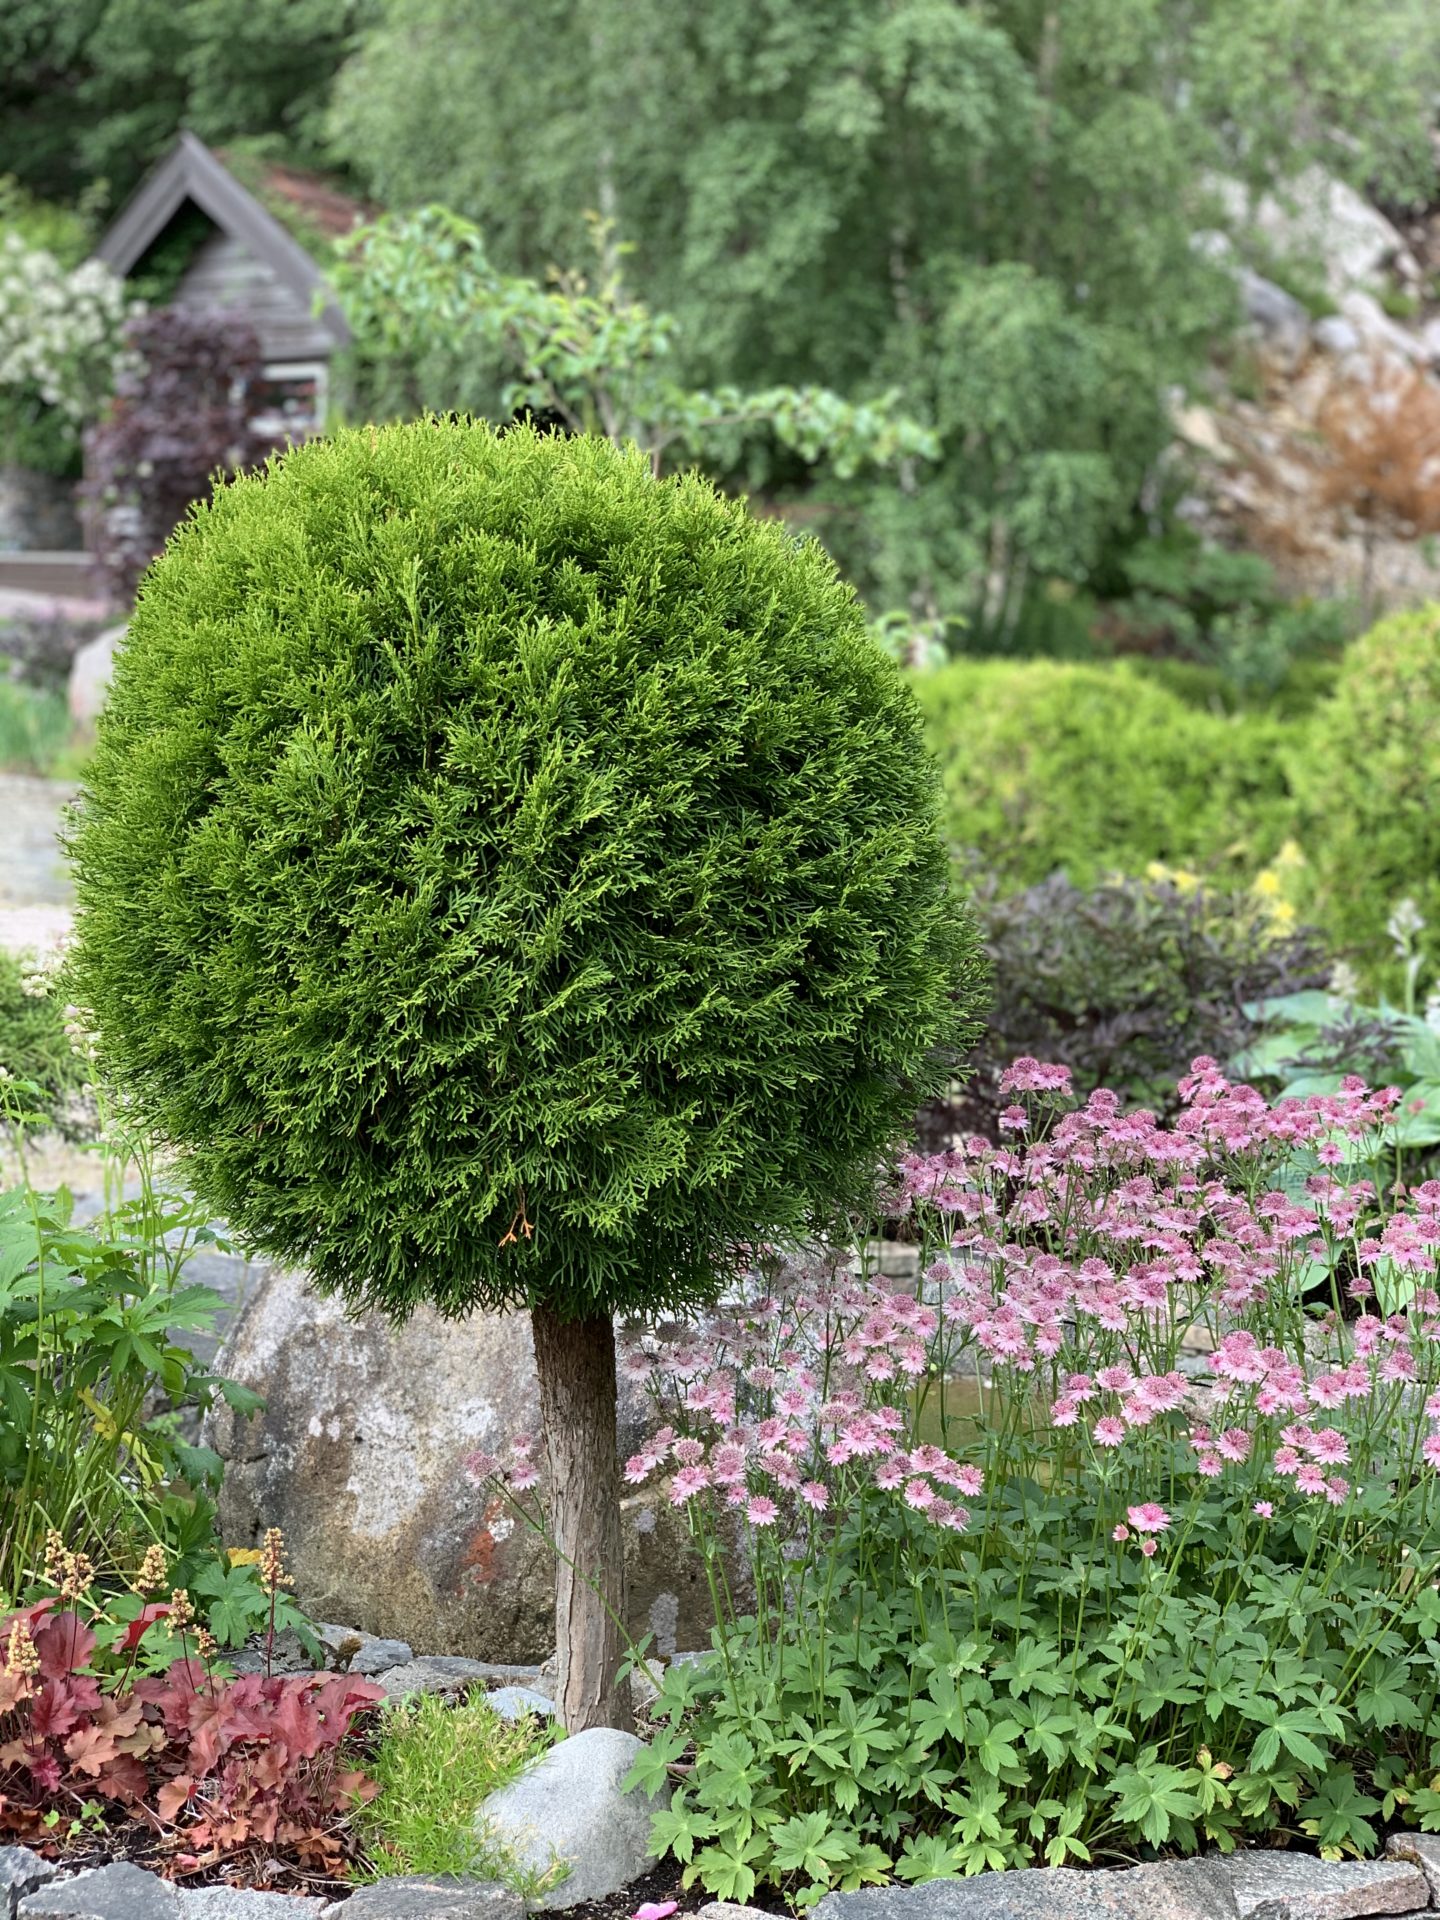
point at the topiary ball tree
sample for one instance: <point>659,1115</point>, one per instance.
<point>510,879</point>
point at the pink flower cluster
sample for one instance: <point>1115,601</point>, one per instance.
<point>783,1457</point>
<point>1209,1307</point>
<point>520,1475</point>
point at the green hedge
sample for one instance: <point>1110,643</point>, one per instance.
<point>1098,769</point>
<point>1367,776</point>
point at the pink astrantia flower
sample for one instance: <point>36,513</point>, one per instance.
<point>761,1511</point>
<point>1265,1509</point>
<point>1120,1533</point>
<point>816,1495</point>
<point>1108,1432</point>
<point>928,1460</point>
<point>1148,1517</point>
<point>687,1483</point>
<point>1149,1548</point>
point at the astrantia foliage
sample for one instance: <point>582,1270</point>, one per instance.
<point>1116,1531</point>
<point>509,876</point>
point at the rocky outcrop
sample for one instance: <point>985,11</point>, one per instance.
<point>1325,224</point>
<point>359,1456</point>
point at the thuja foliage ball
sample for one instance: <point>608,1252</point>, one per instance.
<point>510,878</point>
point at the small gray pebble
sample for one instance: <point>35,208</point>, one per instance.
<point>513,1703</point>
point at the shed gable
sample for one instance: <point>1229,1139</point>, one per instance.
<point>225,274</point>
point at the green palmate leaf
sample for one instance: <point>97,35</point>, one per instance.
<point>869,1865</point>
<point>811,1844</point>
<point>1336,1815</point>
<point>1031,1668</point>
<point>676,1828</point>
<point>928,1857</point>
<point>942,1714</point>
<point>993,1749</point>
<point>727,1869</point>
<point>1154,1795</point>
<point>1388,1697</point>
<point>650,1771</point>
<point>1044,1730</point>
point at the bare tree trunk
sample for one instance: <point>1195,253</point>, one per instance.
<point>575,1360</point>
<point>1047,65</point>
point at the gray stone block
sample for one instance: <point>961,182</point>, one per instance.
<point>569,1811</point>
<point>1297,1886</point>
<point>1421,1850</point>
<point>364,1653</point>
<point>439,1673</point>
<point>1166,1890</point>
<point>21,1872</point>
<point>428,1897</point>
<point>381,1656</point>
<point>241,1903</point>
<point>119,1892</point>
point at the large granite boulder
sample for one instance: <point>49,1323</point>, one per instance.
<point>359,1456</point>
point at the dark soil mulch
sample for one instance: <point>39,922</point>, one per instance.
<point>256,1869</point>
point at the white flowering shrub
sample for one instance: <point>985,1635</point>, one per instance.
<point>61,351</point>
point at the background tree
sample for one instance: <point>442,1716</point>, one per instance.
<point>890,195</point>
<point>509,878</point>
<point>438,328</point>
<point>97,89</point>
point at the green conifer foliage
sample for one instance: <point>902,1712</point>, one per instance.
<point>509,878</point>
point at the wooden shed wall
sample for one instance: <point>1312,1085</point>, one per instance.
<point>225,274</point>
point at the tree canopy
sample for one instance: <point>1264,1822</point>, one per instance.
<point>510,877</point>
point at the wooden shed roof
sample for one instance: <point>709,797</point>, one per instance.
<point>191,172</point>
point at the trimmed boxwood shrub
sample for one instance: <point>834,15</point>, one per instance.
<point>510,878</point>
<point>1368,777</point>
<point>1097,769</point>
